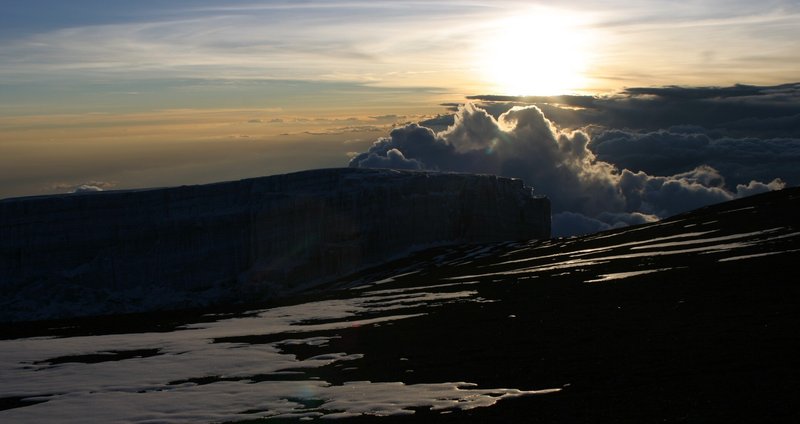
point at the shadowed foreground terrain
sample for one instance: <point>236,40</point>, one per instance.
<point>692,319</point>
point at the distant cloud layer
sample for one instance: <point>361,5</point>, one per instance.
<point>86,187</point>
<point>618,166</point>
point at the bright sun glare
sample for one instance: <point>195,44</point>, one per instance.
<point>538,53</point>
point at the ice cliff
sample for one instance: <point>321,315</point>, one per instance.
<point>139,250</point>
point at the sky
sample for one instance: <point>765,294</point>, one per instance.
<point>113,95</point>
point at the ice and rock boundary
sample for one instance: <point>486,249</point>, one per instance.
<point>142,250</point>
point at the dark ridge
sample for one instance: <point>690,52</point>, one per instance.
<point>567,100</point>
<point>105,356</point>
<point>18,402</point>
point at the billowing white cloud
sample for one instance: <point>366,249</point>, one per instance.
<point>755,187</point>
<point>588,194</point>
<point>86,187</point>
<point>392,159</point>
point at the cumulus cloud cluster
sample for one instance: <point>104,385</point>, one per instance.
<point>740,159</point>
<point>87,187</point>
<point>579,169</point>
<point>737,111</point>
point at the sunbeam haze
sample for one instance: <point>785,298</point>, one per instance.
<point>457,211</point>
<point>152,93</point>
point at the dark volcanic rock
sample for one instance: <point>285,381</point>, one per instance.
<point>113,252</point>
<point>692,319</point>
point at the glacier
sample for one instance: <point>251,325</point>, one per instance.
<point>129,251</point>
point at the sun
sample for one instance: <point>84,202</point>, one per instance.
<point>538,53</point>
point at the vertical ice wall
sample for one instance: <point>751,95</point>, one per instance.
<point>128,251</point>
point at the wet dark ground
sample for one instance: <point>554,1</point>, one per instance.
<point>705,328</point>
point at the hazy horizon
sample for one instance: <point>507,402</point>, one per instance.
<point>115,96</point>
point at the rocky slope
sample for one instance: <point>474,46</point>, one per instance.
<point>693,320</point>
<point>128,251</point>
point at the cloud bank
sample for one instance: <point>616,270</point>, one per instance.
<point>597,177</point>
<point>86,187</point>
